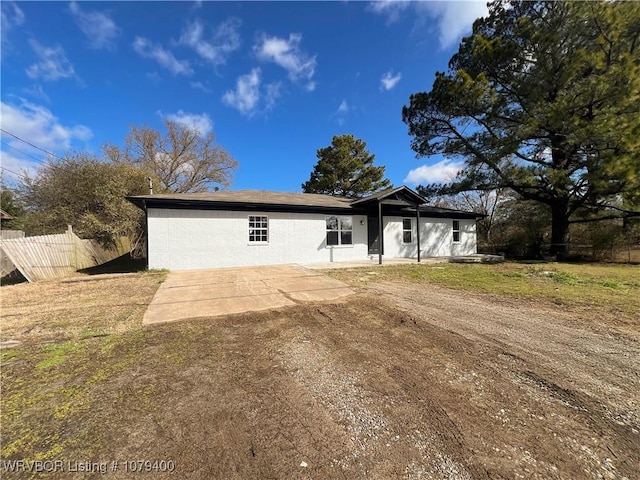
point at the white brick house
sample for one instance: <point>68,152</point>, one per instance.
<point>247,228</point>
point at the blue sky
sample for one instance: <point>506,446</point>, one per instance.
<point>274,81</point>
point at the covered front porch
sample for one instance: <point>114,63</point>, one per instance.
<point>401,201</point>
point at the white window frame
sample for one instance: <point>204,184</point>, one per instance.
<point>410,230</point>
<point>262,229</point>
<point>339,230</point>
<point>456,230</point>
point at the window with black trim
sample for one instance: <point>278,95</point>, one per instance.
<point>456,231</point>
<point>339,230</point>
<point>407,230</point>
<point>258,229</point>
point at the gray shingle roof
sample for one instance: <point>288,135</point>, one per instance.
<point>280,201</point>
<point>256,196</point>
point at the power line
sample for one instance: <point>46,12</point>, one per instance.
<point>31,144</point>
<point>15,173</point>
<point>39,160</point>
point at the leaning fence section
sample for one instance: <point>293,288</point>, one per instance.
<point>52,256</point>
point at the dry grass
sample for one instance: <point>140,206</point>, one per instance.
<point>77,307</point>
<point>610,289</point>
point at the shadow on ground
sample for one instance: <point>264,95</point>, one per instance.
<point>122,264</point>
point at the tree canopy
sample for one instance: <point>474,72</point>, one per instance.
<point>11,203</point>
<point>543,98</point>
<point>345,168</point>
<point>83,191</point>
<point>183,159</point>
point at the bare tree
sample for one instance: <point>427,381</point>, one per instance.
<point>484,202</point>
<point>183,160</point>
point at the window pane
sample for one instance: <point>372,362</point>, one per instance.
<point>332,222</point>
<point>406,224</point>
<point>456,236</point>
<point>456,224</point>
<point>345,238</point>
<point>346,223</point>
<point>332,238</point>
<point>406,236</point>
<point>258,228</point>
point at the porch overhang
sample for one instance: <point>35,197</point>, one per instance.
<point>401,198</point>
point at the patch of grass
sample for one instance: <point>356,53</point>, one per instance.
<point>77,308</point>
<point>50,391</point>
<point>564,277</point>
<point>60,400</point>
<point>7,354</point>
<point>57,353</point>
<point>615,288</point>
<point>48,410</point>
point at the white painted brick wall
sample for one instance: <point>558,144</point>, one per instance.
<point>436,238</point>
<point>197,239</point>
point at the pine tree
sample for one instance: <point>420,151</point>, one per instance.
<point>345,168</point>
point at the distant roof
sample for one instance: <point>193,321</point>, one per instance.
<point>4,215</point>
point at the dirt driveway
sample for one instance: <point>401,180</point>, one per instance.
<point>398,381</point>
<point>224,291</point>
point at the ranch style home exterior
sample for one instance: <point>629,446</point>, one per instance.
<point>250,228</point>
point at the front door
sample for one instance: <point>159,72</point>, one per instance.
<point>373,234</point>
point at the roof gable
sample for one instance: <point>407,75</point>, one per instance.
<point>398,196</point>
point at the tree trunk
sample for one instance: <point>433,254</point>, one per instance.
<point>560,230</point>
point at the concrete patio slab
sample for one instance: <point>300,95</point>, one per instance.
<point>225,291</point>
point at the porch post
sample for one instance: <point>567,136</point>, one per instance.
<point>380,232</point>
<point>418,229</point>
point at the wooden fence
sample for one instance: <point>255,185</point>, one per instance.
<point>51,256</point>
<point>9,234</point>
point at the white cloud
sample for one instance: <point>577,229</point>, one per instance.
<point>16,165</point>
<point>201,122</point>
<point>453,18</point>
<point>246,95</point>
<point>287,54</point>
<point>146,48</point>
<point>98,27</point>
<point>392,9</point>
<point>341,113</point>
<point>39,126</point>
<point>52,63</point>
<point>389,80</point>
<point>272,93</point>
<point>12,16</point>
<point>225,40</point>
<point>36,91</point>
<point>441,172</point>
<point>200,86</point>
